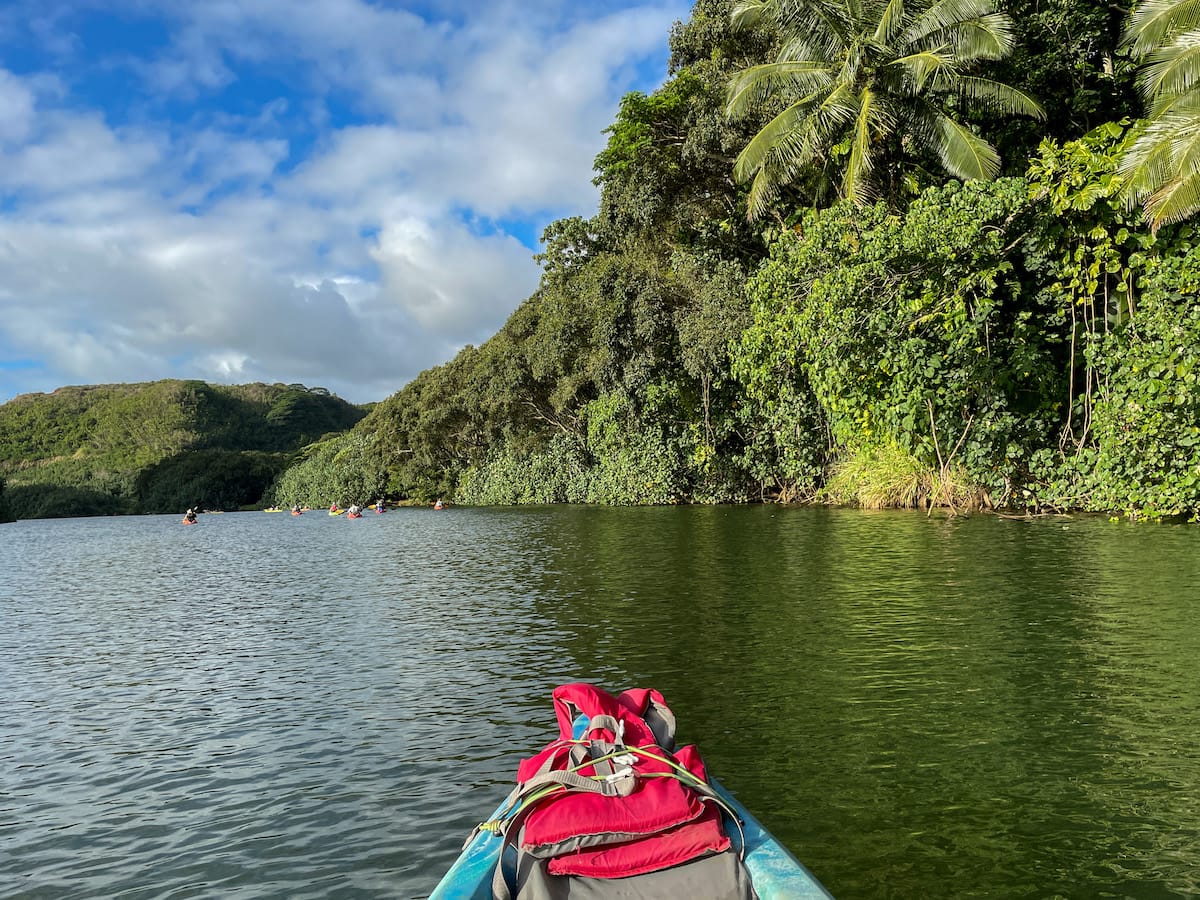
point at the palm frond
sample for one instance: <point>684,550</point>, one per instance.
<point>919,68</point>
<point>890,21</point>
<point>763,191</point>
<point>798,16</point>
<point>963,153</point>
<point>1147,164</point>
<point>1187,150</point>
<point>826,122</point>
<point>986,38</point>
<point>1000,96</point>
<point>1177,200</point>
<point>944,15</point>
<point>1167,104</point>
<point>872,118</point>
<point>854,15</point>
<point>838,108</point>
<point>864,70</point>
<point>1173,69</point>
<point>787,126</point>
<point>1167,150</point>
<point>818,43</point>
<point>1156,22</point>
<point>749,13</point>
<point>751,86</point>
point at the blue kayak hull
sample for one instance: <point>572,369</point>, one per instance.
<point>775,872</point>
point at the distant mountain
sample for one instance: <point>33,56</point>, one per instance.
<point>156,447</point>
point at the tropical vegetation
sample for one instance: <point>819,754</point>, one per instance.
<point>831,264</point>
<point>930,253</point>
<point>1162,168</point>
<point>158,447</point>
<point>868,89</point>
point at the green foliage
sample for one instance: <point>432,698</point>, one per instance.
<point>665,173</point>
<point>116,448</point>
<point>345,469</point>
<point>1147,422</point>
<point>889,477</point>
<point>909,330</point>
<point>962,345</point>
<point>555,473</point>
<point>1161,166</point>
<point>208,479</point>
<point>858,88</point>
<point>58,501</point>
<point>1067,54</point>
<point>638,459</point>
<point>1085,257</point>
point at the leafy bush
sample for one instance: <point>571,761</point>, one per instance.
<point>555,473</point>
<point>342,469</point>
<point>1147,422</point>
<point>876,329</point>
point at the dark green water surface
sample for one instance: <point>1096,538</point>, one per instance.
<point>269,706</point>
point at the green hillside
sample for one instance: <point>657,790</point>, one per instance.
<point>156,447</point>
<point>875,254</point>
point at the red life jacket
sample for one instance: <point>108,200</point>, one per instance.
<point>620,801</point>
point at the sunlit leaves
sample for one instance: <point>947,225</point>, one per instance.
<point>1162,168</point>
<point>863,76</point>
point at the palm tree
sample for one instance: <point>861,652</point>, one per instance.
<point>862,78</point>
<point>1162,167</point>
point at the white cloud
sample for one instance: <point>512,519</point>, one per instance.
<point>77,152</point>
<point>16,108</point>
<point>451,282</point>
<point>229,241</point>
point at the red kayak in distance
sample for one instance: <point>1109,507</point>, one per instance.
<point>353,515</point>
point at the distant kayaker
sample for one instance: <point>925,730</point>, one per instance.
<point>355,509</point>
<point>379,505</point>
<point>190,515</point>
<point>333,507</point>
<point>439,504</point>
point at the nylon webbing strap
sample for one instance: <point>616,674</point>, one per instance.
<point>599,752</point>
<point>618,787</point>
<point>608,722</point>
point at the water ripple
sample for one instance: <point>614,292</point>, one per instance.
<point>278,707</point>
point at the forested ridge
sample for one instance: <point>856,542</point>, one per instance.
<point>156,447</point>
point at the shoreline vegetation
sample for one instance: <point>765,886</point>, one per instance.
<point>936,258</point>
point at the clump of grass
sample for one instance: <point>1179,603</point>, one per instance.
<point>878,478</point>
<point>889,477</point>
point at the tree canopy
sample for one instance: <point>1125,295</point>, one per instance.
<point>867,89</point>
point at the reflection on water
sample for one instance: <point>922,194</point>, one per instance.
<point>268,706</point>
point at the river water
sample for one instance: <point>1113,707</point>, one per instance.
<point>270,706</point>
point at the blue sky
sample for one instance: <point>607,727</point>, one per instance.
<point>334,192</point>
